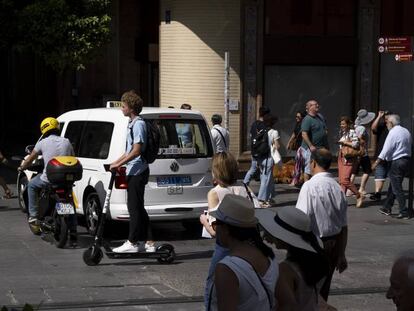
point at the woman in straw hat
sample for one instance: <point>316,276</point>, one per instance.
<point>363,119</point>
<point>246,278</point>
<point>305,266</point>
<point>224,171</point>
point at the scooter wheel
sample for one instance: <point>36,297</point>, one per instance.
<point>92,256</point>
<point>169,254</point>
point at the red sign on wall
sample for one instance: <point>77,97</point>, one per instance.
<point>406,57</point>
<point>395,45</point>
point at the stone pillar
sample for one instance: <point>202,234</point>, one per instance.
<point>367,74</point>
<point>251,12</point>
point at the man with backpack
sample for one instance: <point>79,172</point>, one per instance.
<point>137,171</point>
<point>258,127</point>
<point>219,134</point>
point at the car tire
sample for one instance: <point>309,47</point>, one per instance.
<point>93,210</point>
<point>21,193</point>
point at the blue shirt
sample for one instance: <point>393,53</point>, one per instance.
<point>397,144</point>
<point>139,132</point>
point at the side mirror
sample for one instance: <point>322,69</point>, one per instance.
<point>29,149</point>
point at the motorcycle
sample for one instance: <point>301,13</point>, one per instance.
<point>57,216</point>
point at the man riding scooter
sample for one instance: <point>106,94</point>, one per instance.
<point>49,146</point>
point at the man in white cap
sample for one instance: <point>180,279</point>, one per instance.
<point>402,282</point>
<point>361,122</point>
<point>322,199</point>
<point>397,152</point>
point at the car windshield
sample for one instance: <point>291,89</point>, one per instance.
<point>183,139</point>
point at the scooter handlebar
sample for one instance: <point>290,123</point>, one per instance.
<point>113,174</point>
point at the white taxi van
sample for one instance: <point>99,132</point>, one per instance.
<point>180,177</point>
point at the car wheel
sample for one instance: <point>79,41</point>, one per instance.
<point>21,193</point>
<point>93,211</point>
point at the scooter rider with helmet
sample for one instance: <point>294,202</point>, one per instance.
<point>49,146</point>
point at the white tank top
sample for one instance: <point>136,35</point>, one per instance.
<point>253,295</point>
<point>236,189</point>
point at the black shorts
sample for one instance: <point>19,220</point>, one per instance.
<point>365,164</point>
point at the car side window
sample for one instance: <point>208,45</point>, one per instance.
<point>73,133</point>
<point>96,140</point>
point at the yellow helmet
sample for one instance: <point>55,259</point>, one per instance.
<point>49,124</point>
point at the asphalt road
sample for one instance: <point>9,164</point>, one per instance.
<point>34,271</point>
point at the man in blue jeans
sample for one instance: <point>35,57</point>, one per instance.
<point>51,145</point>
<point>256,127</point>
<point>397,152</point>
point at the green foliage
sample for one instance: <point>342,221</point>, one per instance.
<point>65,33</point>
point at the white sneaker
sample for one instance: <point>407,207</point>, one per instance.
<point>127,247</point>
<point>150,248</point>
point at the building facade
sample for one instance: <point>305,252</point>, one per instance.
<point>282,53</point>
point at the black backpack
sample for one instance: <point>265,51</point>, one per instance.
<point>260,145</point>
<point>152,144</point>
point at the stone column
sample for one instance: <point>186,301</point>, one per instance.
<point>367,74</point>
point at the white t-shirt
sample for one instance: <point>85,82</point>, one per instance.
<point>220,145</point>
<point>50,147</point>
<point>322,199</point>
<point>362,132</point>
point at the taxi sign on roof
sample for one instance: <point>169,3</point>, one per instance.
<point>113,104</point>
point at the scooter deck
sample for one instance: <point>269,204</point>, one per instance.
<point>158,254</point>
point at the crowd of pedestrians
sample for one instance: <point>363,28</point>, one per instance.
<point>244,274</point>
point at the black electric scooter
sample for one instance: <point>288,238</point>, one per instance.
<point>164,253</point>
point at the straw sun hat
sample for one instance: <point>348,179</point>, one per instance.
<point>364,117</point>
<point>235,210</point>
<point>291,226</point>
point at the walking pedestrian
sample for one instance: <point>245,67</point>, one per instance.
<point>224,171</point>
<point>245,279</point>
<point>379,129</point>
<point>7,192</point>
<point>255,128</point>
<point>220,135</point>
<point>363,119</point>
<point>348,138</point>
<point>396,151</point>
<point>314,134</point>
<point>323,200</point>
<point>137,171</point>
<point>305,264</point>
<point>266,162</point>
<point>295,141</point>
<point>402,282</point>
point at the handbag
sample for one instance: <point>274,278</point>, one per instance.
<point>277,159</point>
<point>350,152</point>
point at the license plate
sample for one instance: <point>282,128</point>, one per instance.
<point>65,208</point>
<point>171,190</point>
<point>165,181</point>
